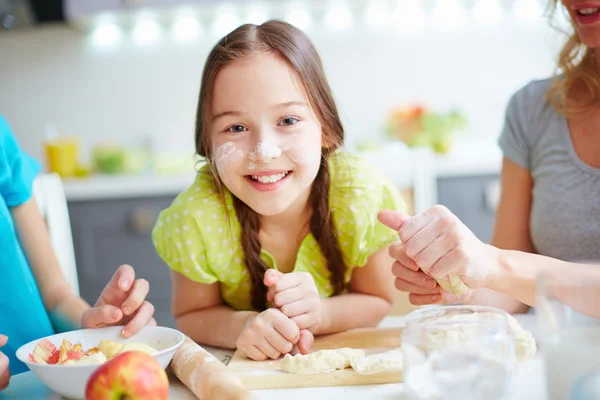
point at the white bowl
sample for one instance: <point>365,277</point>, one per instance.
<point>69,380</point>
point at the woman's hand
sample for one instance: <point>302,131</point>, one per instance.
<point>4,371</point>
<point>296,295</point>
<point>122,302</point>
<point>436,244</point>
<point>268,335</point>
<point>422,288</point>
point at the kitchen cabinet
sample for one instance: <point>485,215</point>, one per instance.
<point>473,199</point>
<point>109,233</point>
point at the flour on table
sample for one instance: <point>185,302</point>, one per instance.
<point>320,361</point>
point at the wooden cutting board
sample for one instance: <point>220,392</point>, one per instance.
<point>268,375</point>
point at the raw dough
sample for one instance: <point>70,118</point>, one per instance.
<point>525,346</point>
<point>320,361</point>
<point>453,284</point>
<point>382,362</point>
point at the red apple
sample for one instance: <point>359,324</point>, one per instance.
<point>132,375</point>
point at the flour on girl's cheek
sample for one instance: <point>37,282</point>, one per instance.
<point>299,152</point>
<point>227,153</point>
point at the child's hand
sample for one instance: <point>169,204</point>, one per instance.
<point>4,371</point>
<point>268,335</point>
<point>296,295</point>
<point>122,302</point>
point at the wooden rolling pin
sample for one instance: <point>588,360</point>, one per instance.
<point>206,376</point>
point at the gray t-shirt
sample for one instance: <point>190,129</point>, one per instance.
<point>565,214</point>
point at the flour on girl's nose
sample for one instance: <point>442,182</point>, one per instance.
<point>226,153</point>
<point>264,151</point>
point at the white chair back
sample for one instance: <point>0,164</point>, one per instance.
<point>49,193</point>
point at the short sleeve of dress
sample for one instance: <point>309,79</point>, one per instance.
<point>17,169</point>
<point>181,234</point>
<point>360,192</point>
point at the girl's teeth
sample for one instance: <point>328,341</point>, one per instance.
<point>588,11</point>
<point>269,178</point>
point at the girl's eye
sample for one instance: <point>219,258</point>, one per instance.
<point>288,121</point>
<point>236,129</point>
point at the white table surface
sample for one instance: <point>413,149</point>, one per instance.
<point>530,383</point>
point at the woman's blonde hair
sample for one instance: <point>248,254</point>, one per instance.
<point>576,65</point>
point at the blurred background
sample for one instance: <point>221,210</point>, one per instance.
<point>104,93</point>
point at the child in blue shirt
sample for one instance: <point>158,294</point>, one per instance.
<point>35,298</point>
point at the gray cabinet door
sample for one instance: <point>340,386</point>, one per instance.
<point>109,233</point>
<point>466,197</point>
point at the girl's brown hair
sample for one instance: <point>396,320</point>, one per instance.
<point>295,48</point>
<point>577,65</point>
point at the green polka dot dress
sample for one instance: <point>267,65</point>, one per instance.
<point>194,238</point>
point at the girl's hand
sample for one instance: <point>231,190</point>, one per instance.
<point>439,244</point>
<point>296,295</point>
<point>268,335</point>
<point>122,302</point>
<point>4,371</point>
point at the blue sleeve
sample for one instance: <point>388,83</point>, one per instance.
<point>17,169</point>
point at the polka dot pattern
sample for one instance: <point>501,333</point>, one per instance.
<point>193,238</point>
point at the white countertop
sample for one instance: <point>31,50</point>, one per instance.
<point>102,187</point>
<point>467,158</point>
<point>530,384</point>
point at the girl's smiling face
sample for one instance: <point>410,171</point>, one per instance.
<point>265,137</point>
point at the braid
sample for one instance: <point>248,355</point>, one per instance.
<point>323,228</point>
<point>250,225</point>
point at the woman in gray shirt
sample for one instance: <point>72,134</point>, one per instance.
<point>550,201</point>
<point>550,181</point>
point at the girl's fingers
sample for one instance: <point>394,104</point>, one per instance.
<point>284,326</point>
<point>306,341</point>
<point>255,354</point>
<point>304,321</point>
<point>141,319</point>
<point>271,277</point>
<point>278,342</point>
<point>296,308</point>
<point>267,349</point>
<point>288,296</point>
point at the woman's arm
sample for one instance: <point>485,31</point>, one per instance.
<point>369,300</point>
<point>515,274</point>
<point>200,313</point>
<point>63,305</point>
<point>511,229</point>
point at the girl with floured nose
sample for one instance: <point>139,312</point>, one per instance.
<point>277,240</point>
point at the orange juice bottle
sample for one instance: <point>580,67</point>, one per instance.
<point>62,153</point>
